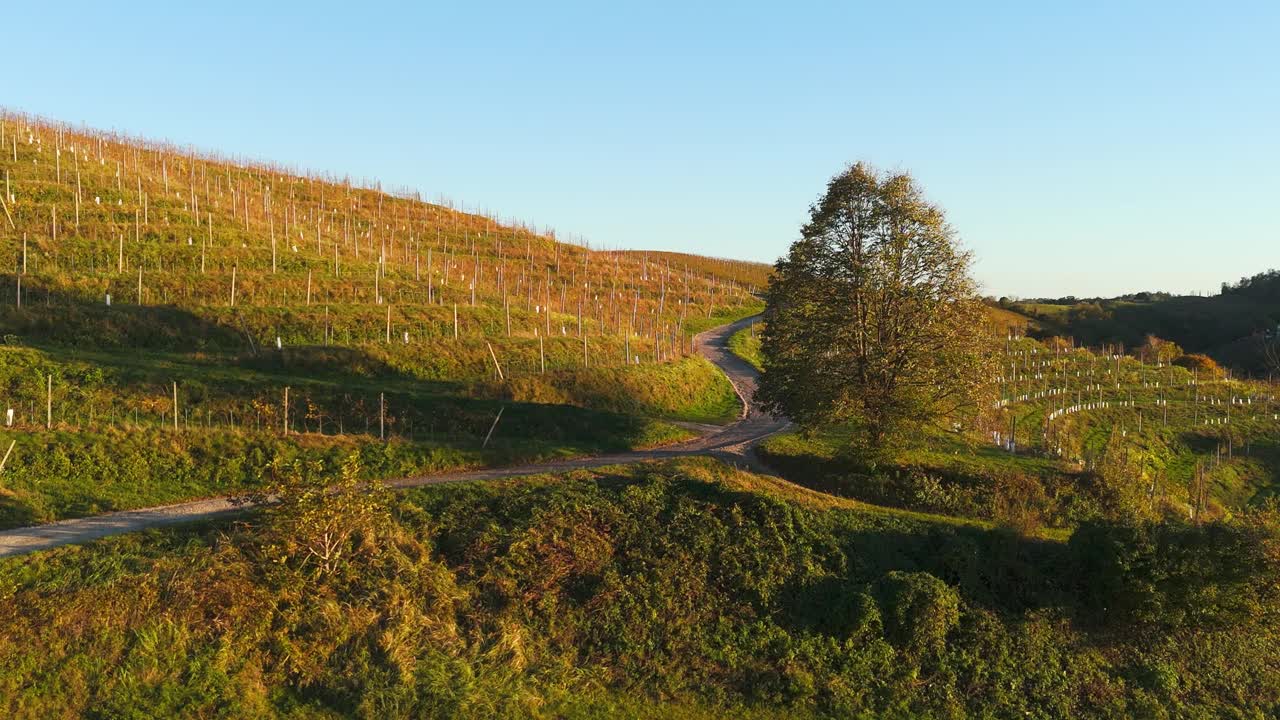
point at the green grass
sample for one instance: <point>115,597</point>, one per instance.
<point>944,473</point>
<point>746,345</point>
<point>675,590</point>
<point>725,315</point>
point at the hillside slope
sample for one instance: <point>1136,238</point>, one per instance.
<point>1235,327</point>
<point>167,307</point>
<point>675,590</point>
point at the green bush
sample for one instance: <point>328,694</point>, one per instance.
<point>1173,576</point>
<point>918,610</point>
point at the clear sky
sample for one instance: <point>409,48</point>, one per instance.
<point>1088,148</point>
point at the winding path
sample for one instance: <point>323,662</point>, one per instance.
<point>733,443</point>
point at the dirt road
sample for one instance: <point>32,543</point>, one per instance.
<point>733,443</point>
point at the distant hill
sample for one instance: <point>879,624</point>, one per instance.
<point>1007,320</point>
<point>1232,327</point>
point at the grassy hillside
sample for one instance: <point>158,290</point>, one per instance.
<point>1095,435</point>
<point>678,590</point>
<point>753,275</point>
<point>281,315</point>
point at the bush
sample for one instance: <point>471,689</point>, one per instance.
<point>1170,576</point>
<point>317,518</point>
<point>918,610</point>
<point>1201,364</point>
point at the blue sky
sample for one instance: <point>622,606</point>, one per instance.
<point>1085,148</point>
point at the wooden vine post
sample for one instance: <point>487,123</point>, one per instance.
<point>492,427</point>
<point>496,366</point>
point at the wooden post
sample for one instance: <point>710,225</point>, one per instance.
<point>455,321</point>
<point>308,287</point>
<point>542,355</point>
<point>139,284</point>
<point>286,409</point>
<point>495,361</point>
<point>492,427</point>
<point>48,403</point>
<point>388,323</point>
<point>233,286</point>
<point>24,253</point>
<point>120,257</point>
<point>382,416</point>
<point>6,455</point>
<point>175,406</point>
<point>4,205</point>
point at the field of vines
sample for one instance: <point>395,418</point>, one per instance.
<point>159,292</point>
<point>1072,433</point>
<point>1193,435</point>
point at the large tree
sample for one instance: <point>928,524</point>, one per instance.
<point>873,318</point>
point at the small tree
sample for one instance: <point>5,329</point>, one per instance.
<point>1271,352</point>
<point>873,317</point>
<point>1203,365</point>
<point>1158,350</point>
<point>317,520</point>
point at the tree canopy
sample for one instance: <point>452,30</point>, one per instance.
<point>873,317</point>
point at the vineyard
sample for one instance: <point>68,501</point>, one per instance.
<point>169,308</point>
<point>1189,437</point>
<point>1072,433</point>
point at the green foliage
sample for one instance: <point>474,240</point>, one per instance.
<point>1174,577</point>
<point>677,590</point>
<point>873,318</point>
<point>691,389</point>
<point>315,518</point>
<point>919,610</point>
<point>1234,327</point>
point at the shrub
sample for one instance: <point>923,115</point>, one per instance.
<point>1170,576</point>
<point>918,610</point>
<point>1202,364</point>
<point>316,519</point>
